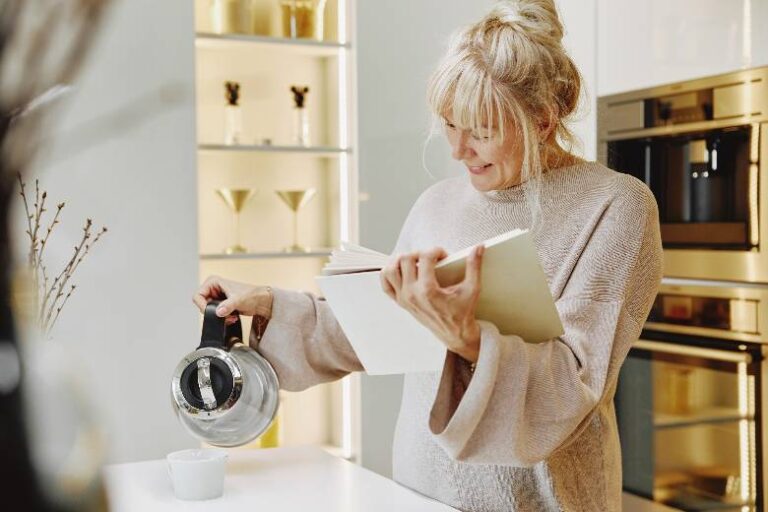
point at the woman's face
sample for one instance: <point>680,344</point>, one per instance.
<point>491,164</point>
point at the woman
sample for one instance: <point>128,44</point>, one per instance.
<point>507,425</point>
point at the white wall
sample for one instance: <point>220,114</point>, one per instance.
<point>580,20</point>
<point>653,42</point>
<point>393,125</point>
<point>131,319</point>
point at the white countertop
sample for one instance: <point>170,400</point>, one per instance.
<point>284,479</point>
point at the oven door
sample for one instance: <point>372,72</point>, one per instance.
<point>690,434</point>
<point>710,186</point>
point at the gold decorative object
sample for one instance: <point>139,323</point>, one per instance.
<point>225,16</point>
<point>303,19</point>
<point>236,200</point>
<point>295,200</point>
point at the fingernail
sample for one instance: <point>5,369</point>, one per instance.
<point>221,311</point>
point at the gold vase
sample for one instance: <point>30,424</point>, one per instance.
<point>295,200</point>
<point>236,199</point>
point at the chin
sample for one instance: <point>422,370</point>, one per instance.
<point>482,183</point>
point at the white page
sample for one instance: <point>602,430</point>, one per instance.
<point>380,330</point>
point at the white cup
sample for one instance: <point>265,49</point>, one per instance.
<point>197,474</point>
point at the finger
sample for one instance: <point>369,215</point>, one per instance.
<point>387,286</point>
<point>210,289</point>
<point>426,266</point>
<point>474,267</point>
<point>199,301</point>
<point>393,275</point>
<point>227,307</point>
<point>408,268</point>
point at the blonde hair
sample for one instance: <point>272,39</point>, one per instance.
<point>510,71</point>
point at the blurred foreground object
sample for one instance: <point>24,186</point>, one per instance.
<point>43,45</point>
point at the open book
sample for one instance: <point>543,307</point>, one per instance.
<point>387,339</point>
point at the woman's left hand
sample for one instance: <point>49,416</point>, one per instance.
<point>448,312</point>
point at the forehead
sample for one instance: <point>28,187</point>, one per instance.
<point>483,124</point>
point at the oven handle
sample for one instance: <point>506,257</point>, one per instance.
<point>686,350</point>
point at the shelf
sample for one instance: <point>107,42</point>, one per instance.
<point>321,151</point>
<point>704,416</point>
<point>302,46</point>
<point>690,499</point>
<point>315,253</point>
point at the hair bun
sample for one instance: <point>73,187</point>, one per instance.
<point>538,19</point>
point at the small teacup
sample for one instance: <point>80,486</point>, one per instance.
<point>197,474</point>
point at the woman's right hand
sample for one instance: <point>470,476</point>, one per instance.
<point>246,299</point>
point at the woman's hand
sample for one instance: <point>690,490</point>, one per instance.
<point>244,298</point>
<point>448,312</point>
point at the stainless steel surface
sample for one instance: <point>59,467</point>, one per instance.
<point>685,350</point>
<point>192,358</point>
<point>742,99</point>
<point>250,407</point>
<point>738,99</point>
<point>720,429</point>
<point>750,316</point>
<point>204,382</point>
<point>625,116</point>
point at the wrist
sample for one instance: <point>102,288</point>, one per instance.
<point>470,342</point>
<point>264,299</point>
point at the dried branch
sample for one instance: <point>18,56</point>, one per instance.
<point>51,295</point>
<point>48,232</point>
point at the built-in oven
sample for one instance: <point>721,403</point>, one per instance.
<point>702,148</point>
<point>687,401</point>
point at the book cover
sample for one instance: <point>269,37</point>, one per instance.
<point>387,339</point>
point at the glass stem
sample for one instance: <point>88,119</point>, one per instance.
<point>237,229</point>
<point>296,230</point>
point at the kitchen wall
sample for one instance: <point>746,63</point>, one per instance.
<point>124,155</point>
<point>393,127</point>
<point>641,44</point>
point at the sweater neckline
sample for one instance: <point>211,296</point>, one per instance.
<point>517,193</point>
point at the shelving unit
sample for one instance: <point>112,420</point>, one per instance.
<point>304,46</point>
<point>266,64</point>
<point>708,415</point>
<point>267,255</point>
<point>317,151</point>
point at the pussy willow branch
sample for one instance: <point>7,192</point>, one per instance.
<point>81,251</point>
<point>52,298</point>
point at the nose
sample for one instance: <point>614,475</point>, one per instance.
<point>460,146</point>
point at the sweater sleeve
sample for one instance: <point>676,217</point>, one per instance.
<point>304,342</point>
<point>525,400</point>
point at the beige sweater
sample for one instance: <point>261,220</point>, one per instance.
<point>534,427</point>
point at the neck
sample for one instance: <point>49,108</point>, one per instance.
<point>554,157</point>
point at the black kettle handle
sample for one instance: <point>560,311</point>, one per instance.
<point>215,331</point>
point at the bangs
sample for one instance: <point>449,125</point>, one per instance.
<point>463,91</point>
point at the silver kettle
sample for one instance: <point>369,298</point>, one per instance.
<point>224,393</point>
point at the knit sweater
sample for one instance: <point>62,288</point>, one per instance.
<point>533,428</point>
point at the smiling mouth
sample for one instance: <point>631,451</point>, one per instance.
<point>478,169</point>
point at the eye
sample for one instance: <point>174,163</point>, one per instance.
<point>448,124</point>
<point>475,136</point>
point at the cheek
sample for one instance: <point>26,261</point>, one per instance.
<point>492,155</point>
